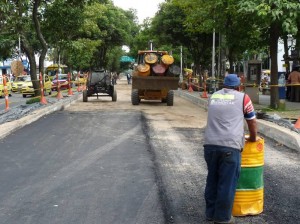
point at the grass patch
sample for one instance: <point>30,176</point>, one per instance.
<point>33,100</point>
<point>269,109</point>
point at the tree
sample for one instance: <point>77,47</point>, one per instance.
<point>21,21</point>
<point>63,20</point>
<point>278,18</point>
<point>169,25</point>
<point>222,17</point>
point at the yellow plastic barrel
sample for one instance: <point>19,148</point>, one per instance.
<point>253,154</point>
<point>249,196</point>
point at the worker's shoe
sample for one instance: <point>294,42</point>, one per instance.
<point>208,219</point>
<point>231,221</point>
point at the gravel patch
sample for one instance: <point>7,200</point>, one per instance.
<point>20,111</point>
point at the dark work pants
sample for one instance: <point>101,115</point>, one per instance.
<point>295,93</point>
<point>224,165</point>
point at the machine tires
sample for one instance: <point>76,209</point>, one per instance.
<point>114,96</point>
<point>170,98</point>
<point>135,100</point>
<point>85,97</point>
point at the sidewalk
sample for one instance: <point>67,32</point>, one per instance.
<point>292,109</point>
<point>279,133</point>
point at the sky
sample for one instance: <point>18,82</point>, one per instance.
<point>145,8</point>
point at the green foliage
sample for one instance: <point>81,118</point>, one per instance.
<point>7,43</point>
<point>113,60</point>
<point>62,22</point>
<point>33,100</point>
<point>79,53</point>
<point>284,13</point>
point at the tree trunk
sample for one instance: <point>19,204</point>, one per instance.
<point>30,54</point>
<point>230,59</point>
<point>274,36</point>
<point>39,35</point>
<point>286,54</point>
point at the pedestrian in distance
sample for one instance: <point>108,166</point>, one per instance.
<point>128,75</point>
<point>224,140</point>
<point>114,79</point>
<point>294,80</point>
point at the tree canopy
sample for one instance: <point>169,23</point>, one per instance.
<point>91,33</point>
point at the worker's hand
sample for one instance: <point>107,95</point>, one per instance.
<point>248,138</point>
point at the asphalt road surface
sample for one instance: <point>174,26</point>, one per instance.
<point>105,162</point>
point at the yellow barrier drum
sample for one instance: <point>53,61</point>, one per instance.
<point>249,196</point>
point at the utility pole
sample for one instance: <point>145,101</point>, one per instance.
<point>181,76</point>
<point>219,58</point>
<point>213,61</point>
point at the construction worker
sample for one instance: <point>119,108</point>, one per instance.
<point>223,142</point>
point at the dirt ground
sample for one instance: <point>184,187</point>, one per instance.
<point>182,114</point>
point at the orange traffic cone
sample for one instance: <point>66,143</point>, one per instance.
<point>43,98</point>
<point>5,94</point>
<point>59,95</point>
<point>70,92</point>
<point>190,88</point>
<point>204,93</point>
<point>6,104</point>
<point>297,124</point>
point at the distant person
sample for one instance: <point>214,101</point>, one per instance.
<point>294,80</point>
<point>128,78</point>
<point>223,142</point>
<point>115,77</point>
<point>288,87</point>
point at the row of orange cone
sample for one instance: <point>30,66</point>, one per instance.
<point>59,95</point>
<point>43,99</point>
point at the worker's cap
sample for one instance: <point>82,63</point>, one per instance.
<point>232,80</point>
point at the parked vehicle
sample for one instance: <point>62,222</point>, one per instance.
<point>62,80</point>
<point>19,82</point>
<point>27,88</point>
<point>80,80</point>
<point>8,84</point>
<point>99,84</point>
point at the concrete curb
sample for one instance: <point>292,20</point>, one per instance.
<point>10,127</point>
<point>281,135</point>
